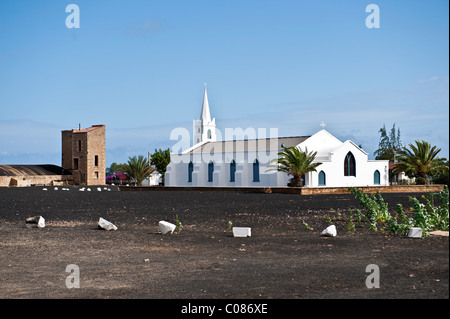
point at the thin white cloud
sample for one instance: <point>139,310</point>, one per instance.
<point>432,79</point>
<point>146,29</point>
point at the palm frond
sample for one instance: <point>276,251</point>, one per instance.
<point>295,162</point>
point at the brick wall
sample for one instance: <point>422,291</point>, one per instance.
<point>96,149</point>
<point>83,153</point>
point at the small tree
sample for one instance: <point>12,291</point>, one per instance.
<point>296,163</point>
<point>138,169</point>
<point>441,174</point>
<point>389,145</point>
<point>160,159</point>
<point>115,168</point>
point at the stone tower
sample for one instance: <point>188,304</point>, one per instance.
<point>83,154</point>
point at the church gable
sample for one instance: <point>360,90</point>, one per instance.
<point>350,146</point>
<point>322,142</point>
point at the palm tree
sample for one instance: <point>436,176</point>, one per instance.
<point>296,163</point>
<point>419,161</point>
<point>138,169</point>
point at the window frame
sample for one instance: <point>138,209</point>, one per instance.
<point>256,171</point>
<point>350,165</point>
<point>210,172</point>
<point>324,183</point>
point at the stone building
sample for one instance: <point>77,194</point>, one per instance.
<point>33,175</point>
<point>83,154</point>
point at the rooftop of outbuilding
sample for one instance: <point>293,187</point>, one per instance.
<point>32,170</point>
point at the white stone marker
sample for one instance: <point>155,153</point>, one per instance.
<point>242,232</point>
<point>166,227</point>
<point>415,232</point>
<point>330,231</point>
<point>106,225</point>
<point>35,222</point>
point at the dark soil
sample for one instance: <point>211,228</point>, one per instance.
<point>282,258</point>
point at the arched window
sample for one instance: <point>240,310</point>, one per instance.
<point>190,170</point>
<point>376,177</point>
<point>349,165</point>
<point>210,171</point>
<point>322,178</point>
<point>232,171</point>
<point>209,134</point>
<point>256,171</point>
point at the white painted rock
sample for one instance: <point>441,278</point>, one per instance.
<point>166,227</point>
<point>415,232</point>
<point>35,222</point>
<point>330,231</point>
<point>106,225</point>
<point>242,231</point>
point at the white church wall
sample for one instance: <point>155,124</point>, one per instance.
<point>218,175</point>
<point>177,174</point>
<point>199,174</point>
<point>334,169</point>
<point>172,175</point>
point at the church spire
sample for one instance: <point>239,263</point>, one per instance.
<point>205,116</point>
<point>205,127</point>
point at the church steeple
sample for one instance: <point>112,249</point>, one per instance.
<point>205,116</point>
<point>205,127</point>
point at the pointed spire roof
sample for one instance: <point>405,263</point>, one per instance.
<point>205,116</point>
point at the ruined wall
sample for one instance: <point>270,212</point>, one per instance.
<point>41,180</point>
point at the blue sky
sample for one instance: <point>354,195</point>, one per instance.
<point>139,67</point>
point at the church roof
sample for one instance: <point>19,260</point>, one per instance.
<point>248,145</point>
<point>31,170</point>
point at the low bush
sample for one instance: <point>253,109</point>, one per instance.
<point>428,215</point>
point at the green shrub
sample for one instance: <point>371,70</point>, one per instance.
<point>376,209</point>
<point>427,216</point>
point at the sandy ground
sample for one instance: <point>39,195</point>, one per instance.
<point>281,260</point>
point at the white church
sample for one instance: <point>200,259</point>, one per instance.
<point>244,162</point>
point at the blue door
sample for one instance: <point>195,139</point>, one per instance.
<point>322,181</point>
<point>376,177</point>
